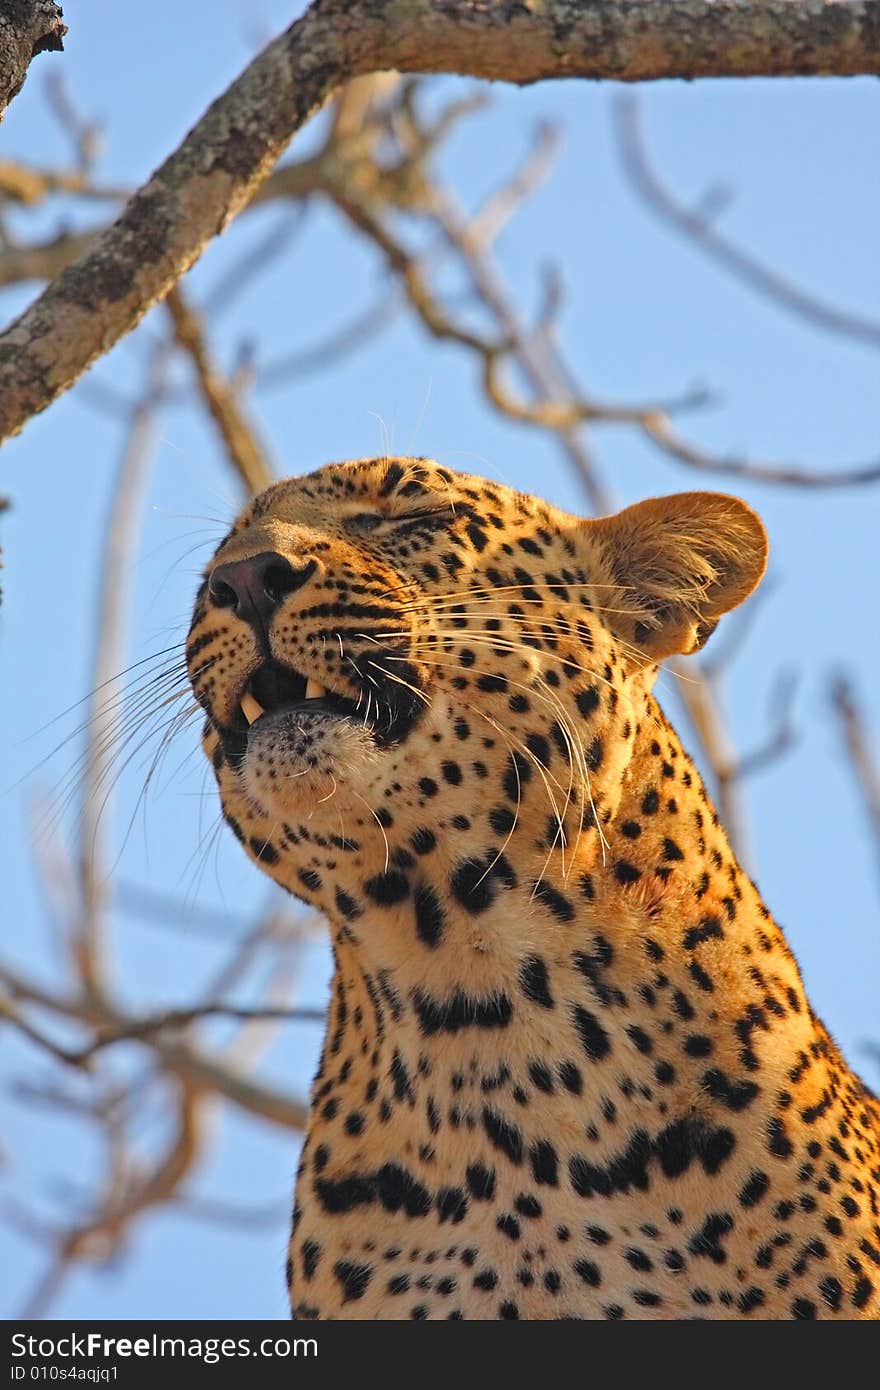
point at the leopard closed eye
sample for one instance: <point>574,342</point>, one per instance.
<point>570,1070</point>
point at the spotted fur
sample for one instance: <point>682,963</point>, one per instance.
<point>570,1070</point>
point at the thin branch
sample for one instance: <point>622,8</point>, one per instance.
<point>702,230</point>
<point>176,1055</point>
<point>168,1021</point>
<point>238,435</point>
<point>659,429</point>
<point>123,525</point>
<point>350,338</point>
<point>29,185</point>
<point>43,260</point>
<point>863,759</point>
<point>99,1238</point>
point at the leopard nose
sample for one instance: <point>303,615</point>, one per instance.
<point>255,587</point>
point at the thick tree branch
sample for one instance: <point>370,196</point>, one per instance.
<point>27,27</point>
<point>221,163</point>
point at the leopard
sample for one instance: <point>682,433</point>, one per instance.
<point>570,1070</point>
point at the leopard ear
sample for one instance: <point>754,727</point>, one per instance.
<point>676,565</point>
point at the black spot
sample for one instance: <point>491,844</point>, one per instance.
<point>344,1194</point>
<point>589,1272</point>
<point>637,1259</point>
<point>262,850</point>
<point>481,1182</point>
<point>423,840</point>
<point>460,1010</point>
<point>570,1077</point>
<point>778,1141</point>
<point>452,1204</point>
<point>400,1078</point>
<point>707,1242</point>
<point>588,700</point>
<point>595,754</point>
<point>832,1292</point>
<point>311,1254</point>
<point>594,1039</point>
<point>353,1278</point>
<point>645,1298</point>
<point>754,1188</point>
<point>544,1163</point>
<point>392,477</point>
<point>803,1308</point>
<point>750,1299</point>
<point>709,927</point>
<point>508,1226</point>
<point>533,981</point>
<point>558,904</point>
<point>736,1095</point>
<point>623,1171</point>
<point>472,885</point>
<point>539,747</point>
<point>639,1039</point>
<point>527,1205</point>
<point>347,905</point>
<point>517,775</point>
<point>398,1190</point>
<point>682,1006</point>
<point>862,1291</point>
<point>502,820</point>
<point>625,872</point>
<point>700,976</point>
<point>688,1140</point>
<point>503,1135</point>
<point>539,1075</point>
<point>430,918</point>
<point>309,879</point>
<point>387,889</point>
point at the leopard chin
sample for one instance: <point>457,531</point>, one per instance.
<point>296,758</point>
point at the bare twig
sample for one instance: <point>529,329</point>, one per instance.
<point>353,336</point>
<point>145,1029</point>
<point>112,638</point>
<point>862,757</point>
<point>177,1056</point>
<point>701,229</point>
<point>238,435</point>
<point>660,431</point>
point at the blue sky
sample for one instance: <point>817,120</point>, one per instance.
<point>645,316</point>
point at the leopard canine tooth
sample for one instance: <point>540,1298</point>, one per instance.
<point>314,691</point>
<point>251,708</point>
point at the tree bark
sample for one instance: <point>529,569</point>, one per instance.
<point>27,27</point>
<point>224,159</point>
